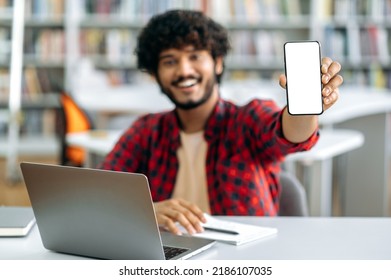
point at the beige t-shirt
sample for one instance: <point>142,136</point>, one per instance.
<point>191,182</point>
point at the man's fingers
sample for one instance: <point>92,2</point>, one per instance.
<point>332,84</point>
<point>282,81</point>
<point>326,62</point>
<point>188,215</point>
<point>169,224</point>
<point>331,98</point>
<point>185,220</point>
<point>329,70</point>
<point>195,210</point>
<point>334,68</point>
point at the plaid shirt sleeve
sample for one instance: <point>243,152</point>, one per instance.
<point>265,121</point>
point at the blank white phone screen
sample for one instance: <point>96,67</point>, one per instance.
<point>302,70</point>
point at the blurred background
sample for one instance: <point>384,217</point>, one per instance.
<point>85,48</point>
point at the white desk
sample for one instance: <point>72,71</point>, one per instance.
<point>318,162</point>
<point>130,100</point>
<point>95,143</point>
<point>365,190</point>
<point>297,239</point>
<point>331,143</point>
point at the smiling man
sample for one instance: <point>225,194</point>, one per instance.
<point>208,154</point>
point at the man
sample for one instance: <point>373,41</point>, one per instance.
<point>209,155</point>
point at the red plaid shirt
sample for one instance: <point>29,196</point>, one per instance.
<point>245,150</point>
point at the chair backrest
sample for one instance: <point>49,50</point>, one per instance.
<point>75,120</point>
<point>293,199</point>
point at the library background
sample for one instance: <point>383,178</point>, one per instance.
<point>79,45</point>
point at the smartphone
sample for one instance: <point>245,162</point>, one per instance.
<point>303,74</point>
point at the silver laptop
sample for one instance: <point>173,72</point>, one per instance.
<point>101,214</point>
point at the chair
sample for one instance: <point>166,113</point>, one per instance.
<point>293,199</point>
<point>75,119</point>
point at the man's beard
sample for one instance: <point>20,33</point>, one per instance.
<point>189,105</point>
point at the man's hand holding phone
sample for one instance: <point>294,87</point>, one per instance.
<point>331,81</point>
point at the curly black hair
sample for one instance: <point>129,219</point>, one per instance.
<point>177,29</point>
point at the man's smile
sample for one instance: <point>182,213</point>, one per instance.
<point>184,83</point>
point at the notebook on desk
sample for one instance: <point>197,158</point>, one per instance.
<point>16,221</point>
<point>232,232</point>
<point>101,214</point>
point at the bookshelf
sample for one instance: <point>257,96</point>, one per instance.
<point>108,31</point>
<point>28,125</point>
<point>258,29</point>
<point>43,48</point>
<point>358,33</point>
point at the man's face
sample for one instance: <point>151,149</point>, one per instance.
<point>188,76</point>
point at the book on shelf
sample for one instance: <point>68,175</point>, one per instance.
<point>341,10</point>
<point>262,46</point>
<point>335,43</point>
<point>38,81</point>
<point>292,9</point>
<point>4,85</point>
<point>49,120</point>
<point>40,122</point>
<point>352,10</point>
<point>377,77</point>
<point>269,46</point>
<point>44,45</point>
<point>354,46</point>
<point>323,9</point>
<point>33,86</point>
<point>5,44</point>
<point>16,221</point>
<point>44,9</point>
<point>378,43</point>
<point>383,46</point>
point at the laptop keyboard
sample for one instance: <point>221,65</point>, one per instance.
<point>171,252</point>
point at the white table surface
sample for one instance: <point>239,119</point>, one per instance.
<point>331,143</point>
<point>99,142</point>
<point>357,102</point>
<point>297,239</point>
<point>364,175</point>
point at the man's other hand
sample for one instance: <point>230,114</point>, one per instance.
<point>188,215</point>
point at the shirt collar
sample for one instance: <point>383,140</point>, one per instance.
<point>213,125</point>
